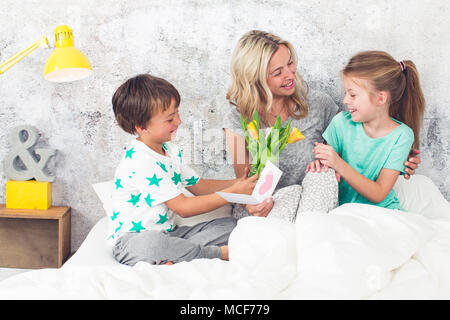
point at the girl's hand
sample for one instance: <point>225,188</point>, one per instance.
<point>412,164</point>
<point>316,166</point>
<point>327,156</point>
<point>261,209</point>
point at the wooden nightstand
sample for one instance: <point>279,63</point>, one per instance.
<point>34,239</point>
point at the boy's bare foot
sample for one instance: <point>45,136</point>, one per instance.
<point>224,251</point>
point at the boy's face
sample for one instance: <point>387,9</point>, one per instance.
<point>163,125</point>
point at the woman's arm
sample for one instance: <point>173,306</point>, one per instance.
<point>237,149</point>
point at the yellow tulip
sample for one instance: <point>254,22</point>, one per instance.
<point>295,136</point>
<point>252,130</point>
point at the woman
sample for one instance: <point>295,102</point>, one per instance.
<point>264,76</point>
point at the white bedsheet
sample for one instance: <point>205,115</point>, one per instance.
<point>354,252</point>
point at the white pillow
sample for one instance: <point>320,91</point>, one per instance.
<point>104,191</point>
<point>420,195</point>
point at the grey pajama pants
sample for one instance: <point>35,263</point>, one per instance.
<point>318,193</point>
<point>184,243</point>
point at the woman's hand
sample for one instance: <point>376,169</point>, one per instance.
<point>261,209</point>
<point>412,164</point>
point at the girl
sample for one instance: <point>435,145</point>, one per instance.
<point>368,144</point>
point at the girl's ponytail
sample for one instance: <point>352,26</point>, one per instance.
<point>400,79</point>
<point>410,108</point>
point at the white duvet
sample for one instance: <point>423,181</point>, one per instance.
<point>354,252</point>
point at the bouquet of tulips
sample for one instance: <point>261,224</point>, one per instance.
<point>268,147</point>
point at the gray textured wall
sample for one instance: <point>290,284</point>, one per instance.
<point>190,44</point>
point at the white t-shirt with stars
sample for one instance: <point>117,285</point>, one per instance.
<point>144,180</point>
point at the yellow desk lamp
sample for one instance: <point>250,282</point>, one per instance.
<point>66,63</point>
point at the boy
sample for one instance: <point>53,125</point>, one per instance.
<point>149,182</point>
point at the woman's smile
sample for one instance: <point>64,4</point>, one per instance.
<point>289,85</point>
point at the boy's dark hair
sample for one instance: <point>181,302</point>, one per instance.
<point>139,98</point>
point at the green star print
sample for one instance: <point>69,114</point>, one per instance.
<point>149,200</point>
<point>162,219</point>
<point>114,215</point>
<point>129,153</point>
<point>137,227</point>
<point>134,199</point>
<point>176,178</point>
<point>191,181</point>
<point>162,166</point>
<point>117,183</point>
<point>154,180</point>
<point>118,228</point>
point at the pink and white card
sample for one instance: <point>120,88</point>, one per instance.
<point>264,188</point>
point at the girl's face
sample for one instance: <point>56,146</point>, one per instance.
<point>281,73</point>
<point>358,100</point>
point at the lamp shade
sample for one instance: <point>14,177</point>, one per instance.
<point>66,63</point>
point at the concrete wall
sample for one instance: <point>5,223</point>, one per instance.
<point>190,44</point>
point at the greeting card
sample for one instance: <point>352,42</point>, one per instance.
<point>264,188</point>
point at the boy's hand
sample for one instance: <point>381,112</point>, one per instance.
<point>243,184</point>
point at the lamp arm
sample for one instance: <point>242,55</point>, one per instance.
<point>4,66</point>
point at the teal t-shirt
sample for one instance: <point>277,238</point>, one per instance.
<point>368,155</point>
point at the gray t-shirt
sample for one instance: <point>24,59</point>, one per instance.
<point>296,156</point>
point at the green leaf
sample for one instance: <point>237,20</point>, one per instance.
<point>283,143</point>
<point>244,130</point>
<point>275,140</point>
<point>243,124</point>
<point>252,147</point>
<point>269,138</point>
<point>253,170</point>
<point>258,171</point>
<point>256,118</point>
<point>288,129</point>
<point>278,123</point>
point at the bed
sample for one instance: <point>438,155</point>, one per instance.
<point>354,252</point>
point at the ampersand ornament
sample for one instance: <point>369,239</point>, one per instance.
<point>24,162</point>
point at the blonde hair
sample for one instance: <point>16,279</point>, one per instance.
<point>249,70</point>
<point>399,79</point>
